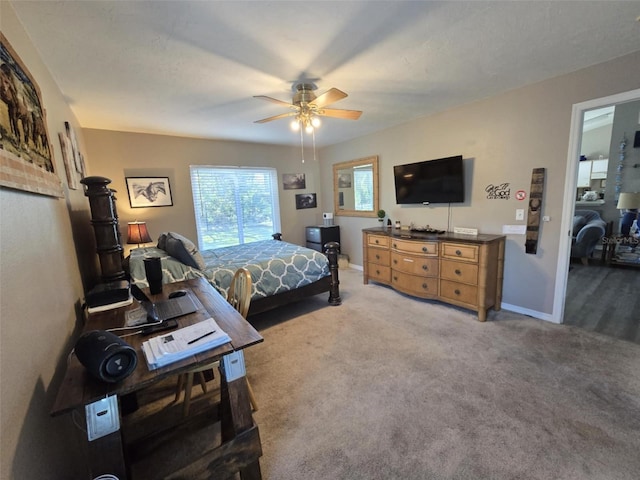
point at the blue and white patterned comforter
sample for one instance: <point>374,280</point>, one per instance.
<point>275,266</point>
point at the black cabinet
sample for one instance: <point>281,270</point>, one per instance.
<point>317,236</point>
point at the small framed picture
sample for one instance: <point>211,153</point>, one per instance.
<point>293,181</point>
<point>149,192</point>
<point>344,180</point>
<point>306,200</point>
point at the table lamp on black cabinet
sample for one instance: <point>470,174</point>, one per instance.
<point>137,233</point>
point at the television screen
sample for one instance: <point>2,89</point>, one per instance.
<point>431,181</point>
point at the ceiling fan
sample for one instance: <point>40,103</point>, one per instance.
<point>306,107</point>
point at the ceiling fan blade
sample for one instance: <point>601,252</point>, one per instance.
<point>345,114</point>
<point>276,117</point>
<point>330,96</point>
<point>275,100</point>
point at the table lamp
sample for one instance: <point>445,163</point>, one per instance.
<point>631,202</point>
<point>137,233</point>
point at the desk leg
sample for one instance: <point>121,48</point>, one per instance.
<point>105,455</point>
<point>235,410</point>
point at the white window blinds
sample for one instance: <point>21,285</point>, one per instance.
<point>234,205</point>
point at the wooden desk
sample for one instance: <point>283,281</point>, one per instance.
<point>240,449</point>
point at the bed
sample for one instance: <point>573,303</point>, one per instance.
<point>281,272</point>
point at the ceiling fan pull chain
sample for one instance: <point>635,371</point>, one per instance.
<point>313,136</point>
<point>302,144</point>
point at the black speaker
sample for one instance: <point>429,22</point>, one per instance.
<point>106,356</point>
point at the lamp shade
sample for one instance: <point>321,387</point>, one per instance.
<point>137,233</point>
<point>628,201</point>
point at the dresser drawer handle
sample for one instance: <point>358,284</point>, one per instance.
<point>395,261</point>
<point>425,286</point>
<point>425,268</point>
<point>456,291</point>
<point>395,245</point>
<point>395,279</point>
<point>378,272</point>
<point>458,272</point>
<point>376,240</point>
<point>425,249</point>
<point>458,252</point>
<point>377,257</point>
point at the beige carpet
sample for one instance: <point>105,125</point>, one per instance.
<point>390,387</point>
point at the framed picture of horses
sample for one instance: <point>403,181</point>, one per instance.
<point>26,156</point>
<point>149,192</point>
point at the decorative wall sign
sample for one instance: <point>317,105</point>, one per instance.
<point>306,200</point>
<point>293,181</point>
<point>521,195</point>
<point>26,157</point>
<point>535,208</point>
<point>149,192</point>
<point>69,163</point>
<point>498,192</point>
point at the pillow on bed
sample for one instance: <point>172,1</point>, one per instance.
<point>184,250</point>
<point>162,241</point>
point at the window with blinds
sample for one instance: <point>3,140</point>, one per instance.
<point>234,205</point>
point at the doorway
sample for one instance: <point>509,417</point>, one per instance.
<point>571,188</point>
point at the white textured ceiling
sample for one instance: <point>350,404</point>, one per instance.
<point>191,68</point>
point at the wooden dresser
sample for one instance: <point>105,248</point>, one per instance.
<point>462,270</point>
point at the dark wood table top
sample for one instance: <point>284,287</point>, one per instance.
<point>79,388</point>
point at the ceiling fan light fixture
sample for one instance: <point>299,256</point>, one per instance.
<point>315,121</point>
<point>308,128</point>
<point>295,124</point>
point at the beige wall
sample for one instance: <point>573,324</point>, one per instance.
<point>117,155</point>
<point>47,256</point>
<point>40,290</point>
<point>501,139</point>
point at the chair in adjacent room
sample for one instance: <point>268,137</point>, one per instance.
<point>588,230</point>
<point>239,296</point>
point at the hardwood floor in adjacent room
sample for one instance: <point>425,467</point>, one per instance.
<point>605,300</point>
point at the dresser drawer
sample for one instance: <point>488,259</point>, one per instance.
<point>426,248</point>
<point>414,264</point>
<point>459,272</point>
<point>426,287</point>
<point>378,255</point>
<point>377,240</point>
<point>459,292</point>
<point>467,253</point>
<point>381,273</point>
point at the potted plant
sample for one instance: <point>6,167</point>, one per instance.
<point>381,215</point>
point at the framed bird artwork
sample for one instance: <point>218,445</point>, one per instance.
<point>149,192</point>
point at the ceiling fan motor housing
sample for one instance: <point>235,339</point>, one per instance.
<point>304,94</point>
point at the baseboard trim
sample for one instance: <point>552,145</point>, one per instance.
<point>506,306</point>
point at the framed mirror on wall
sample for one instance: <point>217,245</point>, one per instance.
<point>355,187</point>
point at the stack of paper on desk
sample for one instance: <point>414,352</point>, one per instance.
<point>182,343</point>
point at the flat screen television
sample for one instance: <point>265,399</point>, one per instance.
<point>431,181</point>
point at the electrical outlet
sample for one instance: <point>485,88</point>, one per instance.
<point>234,365</point>
<point>520,214</point>
<point>103,417</point>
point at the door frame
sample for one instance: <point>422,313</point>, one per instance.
<point>570,186</point>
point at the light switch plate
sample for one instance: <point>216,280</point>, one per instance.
<point>103,417</point>
<point>519,213</point>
